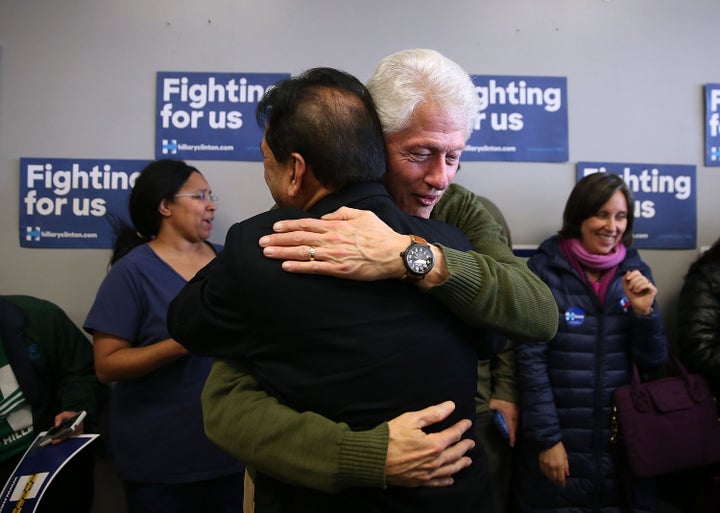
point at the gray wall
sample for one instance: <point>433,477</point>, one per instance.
<point>77,80</point>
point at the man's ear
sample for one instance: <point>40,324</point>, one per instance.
<point>298,170</point>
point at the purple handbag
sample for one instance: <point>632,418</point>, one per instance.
<point>666,425</point>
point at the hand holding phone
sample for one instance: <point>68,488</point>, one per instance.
<point>499,420</point>
<point>65,428</point>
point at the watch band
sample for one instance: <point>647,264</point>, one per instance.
<point>408,276</point>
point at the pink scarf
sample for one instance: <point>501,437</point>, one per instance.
<point>581,259</point>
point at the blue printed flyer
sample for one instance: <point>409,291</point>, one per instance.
<point>38,467</point>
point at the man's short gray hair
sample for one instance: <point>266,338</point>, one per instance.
<point>405,79</point>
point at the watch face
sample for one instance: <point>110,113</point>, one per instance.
<point>419,259</point>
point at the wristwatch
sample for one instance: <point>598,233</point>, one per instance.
<point>418,259</point>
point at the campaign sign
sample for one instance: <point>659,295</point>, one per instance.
<point>524,250</point>
<point>665,202</point>
<point>74,203</point>
<point>712,124</point>
<point>521,119</point>
<point>35,472</point>
<point>210,116</point>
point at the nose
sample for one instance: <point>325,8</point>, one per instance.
<point>437,174</point>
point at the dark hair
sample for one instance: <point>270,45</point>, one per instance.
<point>711,256</point>
<point>161,179</point>
<point>588,196</point>
<point>328,117</point>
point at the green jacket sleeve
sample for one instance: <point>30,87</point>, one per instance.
<point>490,287</point>
<point>496,379</point>
<point>503,372</point>
<point>63,357</point>
<point>305,449</point>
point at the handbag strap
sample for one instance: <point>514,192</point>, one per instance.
<point>673,360</point>
<point>641,397</point>
<point>679,366</point>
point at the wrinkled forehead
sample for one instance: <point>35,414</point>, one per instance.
<point>431,117</point>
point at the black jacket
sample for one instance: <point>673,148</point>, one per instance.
<point>355,352</point>
<point>698,328</point>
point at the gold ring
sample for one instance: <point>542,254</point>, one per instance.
<point>312,253</point>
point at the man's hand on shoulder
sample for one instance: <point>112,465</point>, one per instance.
<point>347,243</point>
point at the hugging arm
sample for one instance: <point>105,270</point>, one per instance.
<point>309,450</point>
<point>488,287</point>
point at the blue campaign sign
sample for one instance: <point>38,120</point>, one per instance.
<point>74,203</point>
<point>522,119</point>
<point>665,202</point>
<point>712,125</point>
<point>210,116</point>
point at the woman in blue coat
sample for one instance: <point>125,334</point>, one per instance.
<point>608,320</point>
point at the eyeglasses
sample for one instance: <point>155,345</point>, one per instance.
<point>205,196</point>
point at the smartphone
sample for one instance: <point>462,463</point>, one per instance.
<point>65,427</point>
<point>499,420</point>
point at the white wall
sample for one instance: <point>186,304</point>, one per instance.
<point>78,76</point>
